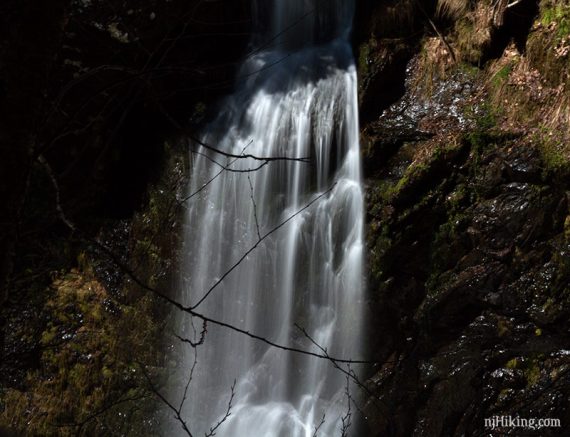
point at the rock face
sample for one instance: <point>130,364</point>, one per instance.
<point>468,233</point>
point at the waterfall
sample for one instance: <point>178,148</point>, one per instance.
<point>296,97</point>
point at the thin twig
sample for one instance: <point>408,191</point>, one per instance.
<point>256,245</point>
<point>254,157</point>
<point>55,184</point>
<point>228,413</point>
<point>189,381</point>
<point>212,179</point>
<point>226,167</point>
<point>347,372</point>
<point>319,426</point>
<point>254,207</point>
<point>176,411</point>
<point>200,342</point>
<point>346,420</point>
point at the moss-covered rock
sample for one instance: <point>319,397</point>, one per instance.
<point>98,329</point>
<point>467,235</point>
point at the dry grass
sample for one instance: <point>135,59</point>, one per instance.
<point>451,9</point>
<point>434,62</point>
<point>527,102</point>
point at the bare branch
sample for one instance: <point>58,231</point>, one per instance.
<point>212,179</point>
<point>346,420</point>
<point>226,167</point>
<point>228,413</point>
<point>200,341</point>
<point>190,378</point>
<point>265,159</point>
<point>176,411</point>
<point>254,207</point>
<point>349,373</point>
<point>265,340</point>
<point>55,184</point>
<point>102,411</point>
<point>516,2</point>
<point>319,426</point>
<point>256,245</point>
<point>242,156</point>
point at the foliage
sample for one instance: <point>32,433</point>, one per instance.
<point>95,338</point>
<point>558,14</point>
<point>554,151</point>
<point>88,380</point>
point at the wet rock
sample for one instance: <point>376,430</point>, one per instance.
<point>468,263</point>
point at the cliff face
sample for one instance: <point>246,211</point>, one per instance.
<point>466,154</point>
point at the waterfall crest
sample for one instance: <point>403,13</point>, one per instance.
<point>297,98</point>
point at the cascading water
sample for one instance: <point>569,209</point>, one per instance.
<point>298,99</point>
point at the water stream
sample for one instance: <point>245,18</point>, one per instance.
<point>296,97</point>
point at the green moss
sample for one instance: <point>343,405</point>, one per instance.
<point>567,227</point>
<point>443,250</point>
<point>469,70</point>
<point>554,152</point>
<point>382,245</point>
<point>92,337</point>
<point>512,363</point>
<point>364,59</point>
<point>413,173</point>
<point>70,384</point>
<point>502,75</point>
<point>456,199</point>
<point>543,45</point>
<point>558,14</point>
<point>532,371</point>
<point>530,366</point>
<point>552,156</point>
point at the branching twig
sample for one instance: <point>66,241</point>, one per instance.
<point>349,373</point>
<point>212,179</point>
<point>227,168</point>
<point>57,192</point>
<point>256,245</point>
<point>228,413</point>
<point>254,207</point>
<point>102,411</point>
<point>346,420</point>
<point>200,342</point>
<point>189,381</point>
<point>249,156</point>
<point>319,426</point>
<point>176,411</point>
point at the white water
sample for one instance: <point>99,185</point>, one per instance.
<point>302,102</point>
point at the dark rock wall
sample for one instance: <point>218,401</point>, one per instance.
<point>468,214</point>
